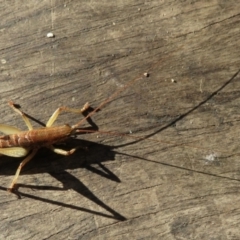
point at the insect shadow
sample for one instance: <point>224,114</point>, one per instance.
<point>90,156</point>
<point>47,162</point>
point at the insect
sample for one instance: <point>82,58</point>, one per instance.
<point>17,143</point>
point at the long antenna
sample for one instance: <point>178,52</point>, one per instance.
<point>107,101</point>
<point>117,92</point>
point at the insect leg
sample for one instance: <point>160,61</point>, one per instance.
<point>53,118</point>
<point>14,151</point>
<point>21,165</point>
<point>63,152</point>
<point>24,117</point>
<point>6,129</point>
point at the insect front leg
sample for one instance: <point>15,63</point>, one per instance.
<point>53,118</point>
<point>21,165</point>
<point>63,152</point>
<point>24,117</point>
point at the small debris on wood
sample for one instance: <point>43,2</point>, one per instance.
<point>50,35</point>
<point>146,74</point>
<point>173,81</point>
<point>3,61</point>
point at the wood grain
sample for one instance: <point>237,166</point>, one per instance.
<point>182,180</point>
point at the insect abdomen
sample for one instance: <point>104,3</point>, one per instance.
<point>37,137</point>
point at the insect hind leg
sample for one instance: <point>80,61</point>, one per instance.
<point>53,118</point>
<point>21,165</point>
<point>24,117</point>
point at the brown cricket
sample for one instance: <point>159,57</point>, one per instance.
<point>17,143</point>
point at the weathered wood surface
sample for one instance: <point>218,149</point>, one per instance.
<point>124,188</point>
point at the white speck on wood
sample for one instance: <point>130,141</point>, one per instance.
<point>146,74</point>
<point>211,157</point>
<point>50,35</point>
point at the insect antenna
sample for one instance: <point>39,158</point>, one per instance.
<point>117,92</point>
